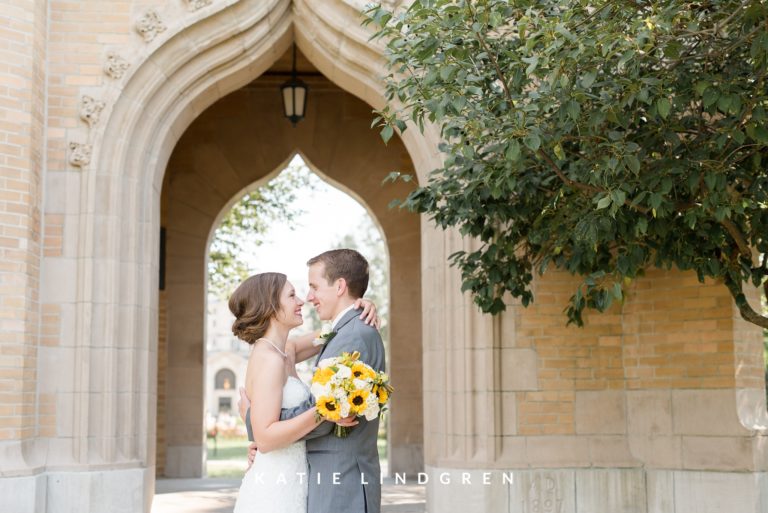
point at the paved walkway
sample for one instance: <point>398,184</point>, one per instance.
<point>218,496</point>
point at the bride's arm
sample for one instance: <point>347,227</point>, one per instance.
<point>304,347</point>
<point>265,390</point>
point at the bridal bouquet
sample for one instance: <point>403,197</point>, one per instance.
<point>346,386</point>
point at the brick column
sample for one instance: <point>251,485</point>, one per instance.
<point>22,111</point>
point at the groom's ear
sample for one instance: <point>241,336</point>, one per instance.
<point>341,287</point>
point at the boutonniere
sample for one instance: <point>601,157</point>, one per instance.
<point>324,338</point>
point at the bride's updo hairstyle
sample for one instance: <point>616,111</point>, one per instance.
<point>254,303</point>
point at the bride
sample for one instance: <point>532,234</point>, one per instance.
<point>266,308</point>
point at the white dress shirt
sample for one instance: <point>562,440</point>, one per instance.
<point>341,314</point>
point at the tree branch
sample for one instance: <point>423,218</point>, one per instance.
<point>745,309</point>
<point>583,186</point>
<point>492,56</point>
<point>738,237</point>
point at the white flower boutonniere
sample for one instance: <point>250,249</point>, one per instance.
<point>324,338</point>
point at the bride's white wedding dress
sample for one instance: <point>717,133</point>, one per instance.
<point>277,480</point>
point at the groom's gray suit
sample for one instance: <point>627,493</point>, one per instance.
<point>356,457</point>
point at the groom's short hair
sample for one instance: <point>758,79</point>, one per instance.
<point>347,264</point>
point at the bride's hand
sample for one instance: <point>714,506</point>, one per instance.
<point>369,312</point>
<point>347,421</point>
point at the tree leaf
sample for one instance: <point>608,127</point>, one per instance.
<point>386,133</point>
<point>663,106</point>
<point>532,141</point>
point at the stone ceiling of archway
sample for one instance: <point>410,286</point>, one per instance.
<point>244,137</point>
<point>284,64</point>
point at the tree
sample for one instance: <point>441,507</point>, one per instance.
<point>244,227</point>
<point>603,138</point>
<point>367,239</point>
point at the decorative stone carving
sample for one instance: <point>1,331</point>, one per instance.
<point>116,66</point>
<point>198,4</point>
<point>80,154</point>
<point>90,110</point>
<point>543,496</point>
<point>150,25</point>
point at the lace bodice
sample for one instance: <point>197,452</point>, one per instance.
<point>295,392</point>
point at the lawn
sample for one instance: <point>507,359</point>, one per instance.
<point>230,456</point>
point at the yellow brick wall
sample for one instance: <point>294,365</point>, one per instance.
<point>22,110</point>
<point>672,332</point>
<point>570,359</point>
<point>678,333</point>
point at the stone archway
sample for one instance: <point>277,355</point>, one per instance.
<point>240,140</point>
<point>200,59</point>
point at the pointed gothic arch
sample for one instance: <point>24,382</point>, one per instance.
<point>212,53</point>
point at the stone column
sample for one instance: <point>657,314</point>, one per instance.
<point>182,417</point>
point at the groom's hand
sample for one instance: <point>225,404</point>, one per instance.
<point>243,404</point>
<point>251,453</point>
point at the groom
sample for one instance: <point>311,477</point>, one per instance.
<point>344,473</point>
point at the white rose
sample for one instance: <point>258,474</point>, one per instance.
<point>344,372</point>
<point>319,390</point>
<point>362,384</point>
<point>371,408</point>
<point>327,362</point>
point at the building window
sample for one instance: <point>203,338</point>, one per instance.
<point>225,404</point>
<point>225,380</point>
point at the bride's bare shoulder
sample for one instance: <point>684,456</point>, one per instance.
<point>264,359</point>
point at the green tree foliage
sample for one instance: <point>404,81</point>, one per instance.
<point>244,227</point>
<point>603,138</point>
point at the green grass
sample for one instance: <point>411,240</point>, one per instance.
<point>228,449</point>
<point>227,457</point>
<point>231,455</point>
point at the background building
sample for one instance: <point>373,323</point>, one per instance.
<point>226,361</point>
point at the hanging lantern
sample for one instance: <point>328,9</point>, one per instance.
<point>294,95</point>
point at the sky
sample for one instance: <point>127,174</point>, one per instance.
<point>329,214</point>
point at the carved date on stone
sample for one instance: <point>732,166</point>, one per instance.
<point>198,4</point>
<point>80,154</point>
<point>543,496</point>
<point>150,25</point>
<point>90,110</point>
<point>116,66</point>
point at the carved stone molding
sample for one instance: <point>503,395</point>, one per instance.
<point>198,4</point>
<point>80,154</point>
<point>116,66</point>
<point>150,25</point>
<point>90,110</point>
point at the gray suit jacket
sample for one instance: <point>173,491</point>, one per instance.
<point>356,457</point>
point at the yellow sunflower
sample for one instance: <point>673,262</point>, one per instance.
<point>357,401</point>
<point>362,371</point>
<point>328,407</point>
<point>382,394</point>
<point>323,376</point>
